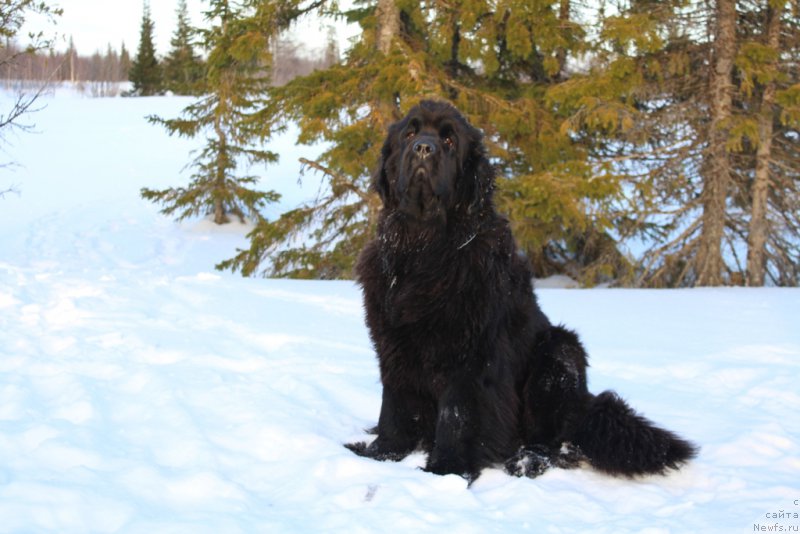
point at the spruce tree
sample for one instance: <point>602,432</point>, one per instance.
<point>645,102</point>
<point>640,133</point>
<point>124,63</point>
<point>182,68</point>
<point>235,81</point>
<point>492,60</point>
<point>145,72</point>
<point>72,58</point>
<point>718,173</point>
<point>666,104</point>
<point>766,128</point>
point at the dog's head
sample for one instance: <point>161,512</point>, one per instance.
<point>433,163</point>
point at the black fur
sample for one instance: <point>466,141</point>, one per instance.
<point>473,372</point>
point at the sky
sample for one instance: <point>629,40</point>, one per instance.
<point>94,24</point>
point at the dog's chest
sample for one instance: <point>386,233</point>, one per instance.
<point>422,288</point>
<point>431,307</point>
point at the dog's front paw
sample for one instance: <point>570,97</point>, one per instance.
<point>360,448</point>
<point>378,450</point>
<point>443,465</point>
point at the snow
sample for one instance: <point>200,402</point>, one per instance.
<point>142,391</point>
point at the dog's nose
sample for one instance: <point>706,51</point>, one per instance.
<point>423,148</point>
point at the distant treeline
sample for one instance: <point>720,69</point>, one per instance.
<point>103,74</point>
<point>63,66</point>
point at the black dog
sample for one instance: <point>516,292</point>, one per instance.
<point>473,372</point>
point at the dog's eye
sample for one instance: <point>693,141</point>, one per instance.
<point>410,134</point>
<point>449,142</point>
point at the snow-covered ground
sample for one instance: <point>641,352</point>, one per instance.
<point>141,391</point>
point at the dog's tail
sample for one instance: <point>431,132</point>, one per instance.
<point>617,440</point>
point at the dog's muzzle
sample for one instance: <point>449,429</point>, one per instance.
<point>424,147</point>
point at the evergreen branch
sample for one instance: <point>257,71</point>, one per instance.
<point>660,254</point>
<point>651,153</point>
<point>337,179</point>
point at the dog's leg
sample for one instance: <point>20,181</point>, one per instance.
<point>562,415</point>
<point>555,397</point>
<point>404,421</point>
<point>456,427</point>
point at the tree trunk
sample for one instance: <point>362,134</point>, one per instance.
<point>561,51</point>
<point>388,14</point>
<point>717,177</point>
<point>220,215</point>
<point>757,234</point>
<point>388,24</point>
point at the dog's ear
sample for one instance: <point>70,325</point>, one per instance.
<point>484,179</point>
<point>481,172</point>
<point>380,177</point>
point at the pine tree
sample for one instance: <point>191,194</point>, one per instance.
<point>183,69</point>
<point>661,103</point>
<point>768,165</point>
<point>72,56</point>
<point>717,177</point>
<point>145,72</point>
<point>124,64</point>
<point>494,61</point>
<point>332,55</point>
<point>638,132</point>
<point>647,99</point>
<point>237,54</point>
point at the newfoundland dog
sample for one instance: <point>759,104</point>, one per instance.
<point>473,372</point>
